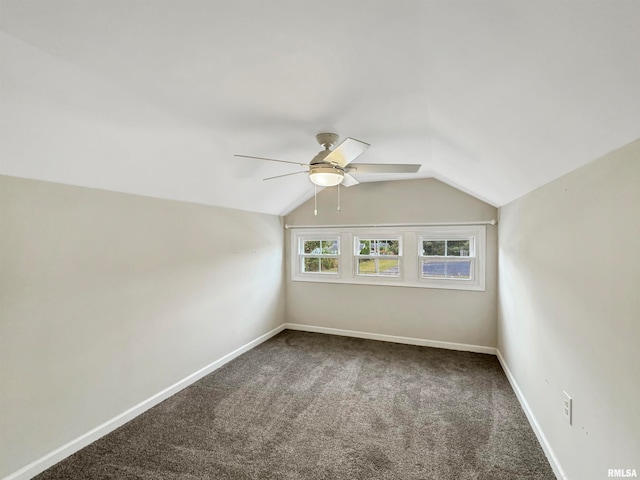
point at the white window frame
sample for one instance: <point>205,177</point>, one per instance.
<point>300,255</point>
<point>477,249</point>
<point>410,258</point>
<point>359,236</point>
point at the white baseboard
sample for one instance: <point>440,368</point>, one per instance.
<point>50,459</point>
<point>393,338</point>
<point>546,447</point>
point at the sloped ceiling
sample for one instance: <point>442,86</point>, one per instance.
<point>154,97</point>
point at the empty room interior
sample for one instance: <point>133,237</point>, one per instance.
<point>293,240</point>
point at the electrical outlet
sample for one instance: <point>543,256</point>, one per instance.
<point>568,407</point>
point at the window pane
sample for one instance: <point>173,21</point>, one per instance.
<point>329,265</point>
<point>448,248</point>
<point>436,268</point>
<point>364,247</point>
<point>320,265</point>
<point>433,247</point>
<point>378,247</point>
<point>388,267</point>
<point>387,247</point>
<point>457,248</point>
<point>312,246</point>
<point>366,266</point>
<point>330,247</point>
<point>321,247</point>
<point>311,265</point>
<point>373,266</point>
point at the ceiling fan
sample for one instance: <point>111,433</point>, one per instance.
<point>334,167</point>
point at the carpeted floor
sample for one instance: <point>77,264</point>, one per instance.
<point>312,406</point>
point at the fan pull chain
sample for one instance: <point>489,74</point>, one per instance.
<point>338,198</point>
<point>315,199</point>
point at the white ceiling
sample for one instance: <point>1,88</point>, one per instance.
<point>154,97</point>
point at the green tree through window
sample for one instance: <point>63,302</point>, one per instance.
<point>320,256</point>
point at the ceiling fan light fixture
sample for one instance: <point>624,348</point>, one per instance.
<point>326,176</point>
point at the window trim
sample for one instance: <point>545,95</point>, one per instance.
<point>300,255</point>
<point>477,246</point>
<point>410,258</point>
<point>357,256</point>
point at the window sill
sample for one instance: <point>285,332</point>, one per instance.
<point>397,282</point>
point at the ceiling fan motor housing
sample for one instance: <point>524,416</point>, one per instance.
<point>322,173</point>
<point>319,158</point>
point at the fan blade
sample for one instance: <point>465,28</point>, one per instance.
<point>273,160</point>
<point>383,168</point>
<point>285,175</point>
<point>349,181</point>
<point>346,152</point>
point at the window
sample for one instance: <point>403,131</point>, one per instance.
<point>376,256</point>
<point>450,257</point>
<point>319,255</point>
<point>447,259</point>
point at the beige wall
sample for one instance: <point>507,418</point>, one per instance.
<point>430,314</point>
<point>109,298</point>
<point>570,310</point>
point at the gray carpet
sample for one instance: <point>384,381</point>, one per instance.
<point>312,406</point>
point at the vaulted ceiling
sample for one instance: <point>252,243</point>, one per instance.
<point>495,98</point>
